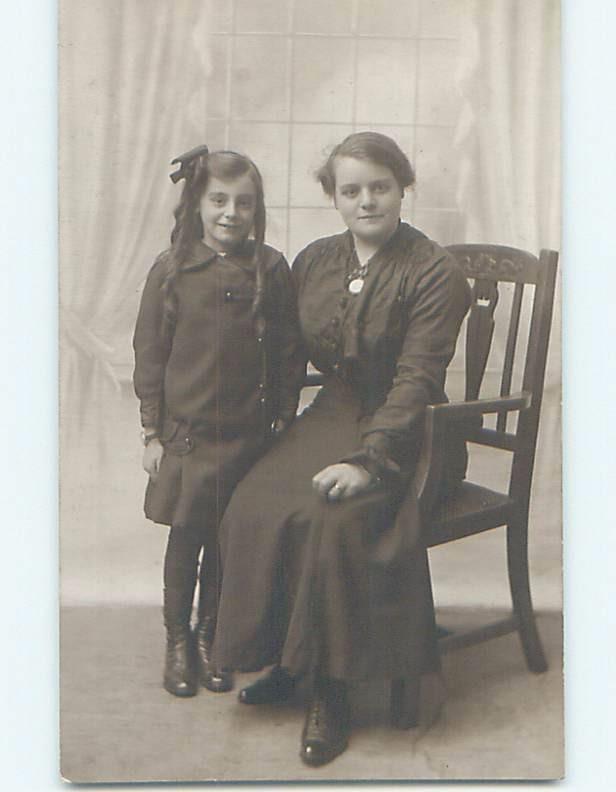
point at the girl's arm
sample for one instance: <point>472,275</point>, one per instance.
<point>152,346</point>
<point>291,358</point>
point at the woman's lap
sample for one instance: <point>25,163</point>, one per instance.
<point>284,547</point>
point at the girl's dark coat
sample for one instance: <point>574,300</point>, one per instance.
<point>212,384</point>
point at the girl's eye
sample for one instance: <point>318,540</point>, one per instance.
<point>349,192</point>
<point>245,204</point>
<point>217,200</point>
<point>381,188</point>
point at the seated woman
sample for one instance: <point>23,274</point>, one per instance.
<point>321,576</point>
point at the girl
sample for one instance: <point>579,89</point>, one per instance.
<point>216,374</point>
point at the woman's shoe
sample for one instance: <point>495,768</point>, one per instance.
<point>328,724</point>
<point>212,679</point>
<point>274,688</point>
<point>180,677</point>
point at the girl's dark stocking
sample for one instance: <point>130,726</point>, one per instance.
<point>209,593</point>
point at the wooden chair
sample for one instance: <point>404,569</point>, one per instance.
<point>474,508</point>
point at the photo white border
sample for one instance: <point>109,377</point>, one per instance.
<point>28,344</point>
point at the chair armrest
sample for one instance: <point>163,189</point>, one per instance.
<point>469,409</point>
<point>429,468</point>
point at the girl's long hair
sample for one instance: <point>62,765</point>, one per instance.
<point>188,228</point>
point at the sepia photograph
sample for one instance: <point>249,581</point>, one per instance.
<point>310,390</point>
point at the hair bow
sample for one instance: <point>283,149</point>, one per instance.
<point>184,160</point>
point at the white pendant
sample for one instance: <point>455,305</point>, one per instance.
<point>356,285</point>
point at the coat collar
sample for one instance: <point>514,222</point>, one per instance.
<point>201,255</point>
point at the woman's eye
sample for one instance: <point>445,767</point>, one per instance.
<point>245,204</point>
<point>217,200</point>
<point>349,193</point>
<point>381,188</point>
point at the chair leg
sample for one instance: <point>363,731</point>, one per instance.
<point>517,563</point>
<point>404,703</point>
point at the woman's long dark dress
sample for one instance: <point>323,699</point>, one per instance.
<point>344,587</point>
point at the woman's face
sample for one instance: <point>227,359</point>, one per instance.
<point>228,212</point>
<point>368,198</point>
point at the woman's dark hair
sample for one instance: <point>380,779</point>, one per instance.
<point>188,228</point>
<point>368,146</point>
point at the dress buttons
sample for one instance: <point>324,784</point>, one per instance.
<point>260,339</point>
<point>228,296</point>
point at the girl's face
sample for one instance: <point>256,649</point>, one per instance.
<point>228,212</point>
<point>368,198</point>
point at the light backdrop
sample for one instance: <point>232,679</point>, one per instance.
<point>468,88</point>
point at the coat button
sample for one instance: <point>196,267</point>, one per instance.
<point>260,339</point>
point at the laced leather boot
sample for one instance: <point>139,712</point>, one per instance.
<point>214,680</point>
<point>180,677</point>
<point>328,723</point>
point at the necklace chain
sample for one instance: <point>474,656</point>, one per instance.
<point>354,281</point>
<point>360,271</point>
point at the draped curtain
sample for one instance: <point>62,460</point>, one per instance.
<point>510,126</point>
<point>508,145</point>
<point>133,77</point>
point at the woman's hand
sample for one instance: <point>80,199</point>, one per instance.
<point>152,454</point>
<point>342,481</point>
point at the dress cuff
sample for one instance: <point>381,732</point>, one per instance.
<point>376,463</point>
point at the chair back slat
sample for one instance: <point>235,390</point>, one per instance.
<point>479,333</point>
<point>512,339</point>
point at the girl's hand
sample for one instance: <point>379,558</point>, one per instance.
<point>152,454</point>
<point>342,481</point>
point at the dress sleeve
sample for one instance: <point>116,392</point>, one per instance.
<point>291,358</point>
<point>434,312</point>
<point>152,347</point>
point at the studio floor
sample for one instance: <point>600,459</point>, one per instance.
<point>119,725</point>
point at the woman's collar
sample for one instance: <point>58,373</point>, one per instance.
<point>399,233</point>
